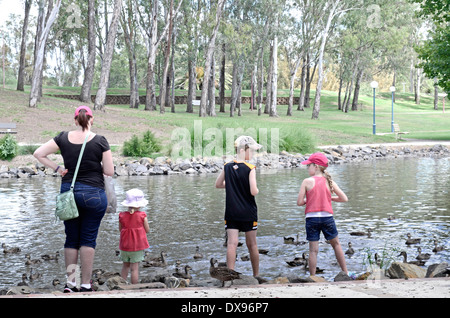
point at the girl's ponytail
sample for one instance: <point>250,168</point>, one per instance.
<point>329,179</point>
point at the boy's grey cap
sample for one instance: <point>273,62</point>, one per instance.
<point>242,141</point>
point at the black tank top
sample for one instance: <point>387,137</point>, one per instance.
<point>240,203</point>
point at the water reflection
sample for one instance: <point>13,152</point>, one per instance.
<point>187,211</point>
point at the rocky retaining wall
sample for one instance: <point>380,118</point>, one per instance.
<point>167,166</point>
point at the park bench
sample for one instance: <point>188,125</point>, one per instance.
<point>5,128</point>
<point>195,102</point>
<point>398,132</point>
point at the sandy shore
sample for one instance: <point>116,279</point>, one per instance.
<point>391,288</point>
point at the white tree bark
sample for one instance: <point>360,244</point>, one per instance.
<point>209,55</point>
<point>107,57</point>
<point>40,50</point>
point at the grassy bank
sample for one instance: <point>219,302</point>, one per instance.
<point>298,133</point>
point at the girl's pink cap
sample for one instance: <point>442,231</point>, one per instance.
<point>87,109</point>
<point>317,158</point>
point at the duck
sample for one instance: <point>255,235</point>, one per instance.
<point>222,273</point>
<point>23,282</point>
<point>405,257</point>
<point>34,274</point>
<point>156,261</point>
<point>422,256</point>
<point>288,240</point>
<point>391,218</point>
<point>360,233</point>
<point>297,261</point>
<point>197,254</point>
<point>318,270</point>
<point>437,248</point>
<point>410,240</point>
<point>47,257</point>
<point>55,282</point>
<point>184,275</point>
<point>350,250</point>
<point>11,250</point>
<point>30,261</point>
<point>245,258</point>
<point>263,251</point>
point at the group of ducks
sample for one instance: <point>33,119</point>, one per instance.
<point>29,262</point>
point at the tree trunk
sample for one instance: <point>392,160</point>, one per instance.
<point>23,47</point>
<point>291,86</point>
<point>273,104</point>
<point>36,81</point>
<point>107,57</point>
<point>212,90</point>
<point>301,100</point>
<point>316,109</point>
<point>164,86</point>
<point>192,85</point>
<point>357,87</point>
<point>222,80</point>
<point>436,96</point>
<point>234,87</point>
<point>85,95</point>
<point>269,83</point>
<point>128,27</point>
<point>261,81</point>
<point>208,58</point>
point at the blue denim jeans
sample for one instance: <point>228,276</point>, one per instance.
<point>91,203</point>
<point>315,225</point>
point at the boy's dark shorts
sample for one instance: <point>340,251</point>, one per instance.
<point>315,225</point>
<point>242,226</point>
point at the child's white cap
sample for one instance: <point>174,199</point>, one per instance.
<point>135,199</point>
<point>243,141</point>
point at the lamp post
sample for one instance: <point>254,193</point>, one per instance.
<point>392,89</point>
<point>374,85</point>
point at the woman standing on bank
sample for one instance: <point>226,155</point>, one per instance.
<point>81,233</point>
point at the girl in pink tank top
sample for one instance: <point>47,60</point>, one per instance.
<point>317,192</point>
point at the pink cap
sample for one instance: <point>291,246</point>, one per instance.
<point>87,109</point>
<point>317,158</point>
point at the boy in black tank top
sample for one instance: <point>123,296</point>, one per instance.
<point>238,178</point>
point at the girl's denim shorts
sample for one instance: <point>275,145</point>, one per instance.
<point>92,204</point>
<point>315,225</point>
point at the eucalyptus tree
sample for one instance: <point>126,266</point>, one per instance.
<point>44,27</point>
<point>148,15</point>
<point>108,56</point>
<point>85,95</point>
<point>23,46</point>
<point>209,56</point>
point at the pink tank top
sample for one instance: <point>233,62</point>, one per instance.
<point>318,199</point>
<point>132,236</point>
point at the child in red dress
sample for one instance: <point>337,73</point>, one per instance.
<point>133,226</point>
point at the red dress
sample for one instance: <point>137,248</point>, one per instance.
<point>132,235</point>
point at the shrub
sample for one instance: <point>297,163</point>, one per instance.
<point>145,147</point>
<point>8,147</point>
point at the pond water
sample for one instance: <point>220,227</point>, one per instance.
<point>186,211</point>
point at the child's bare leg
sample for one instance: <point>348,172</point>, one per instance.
<point>134,273</point>
<point>250,240</point>
<point>125,270</point>
<point>313,251</point>
<point>340,256</point>
<point>232,243</point>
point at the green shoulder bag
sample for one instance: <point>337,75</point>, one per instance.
<point>66,207</point>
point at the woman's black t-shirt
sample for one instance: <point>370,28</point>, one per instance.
<point>91,170</point>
